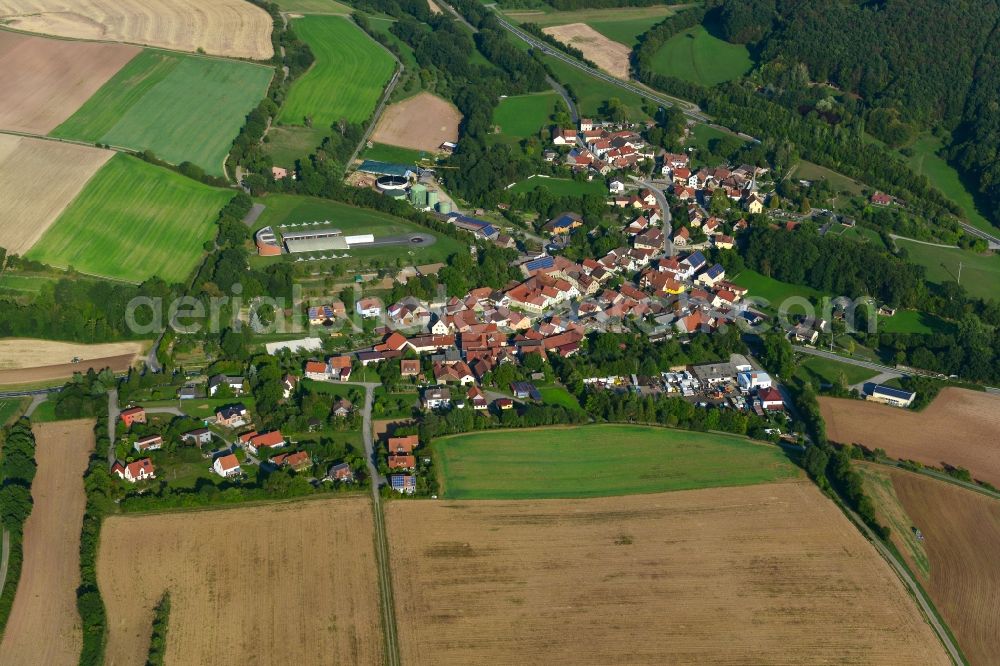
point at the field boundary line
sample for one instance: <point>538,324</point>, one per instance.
<point>940,476</point>
<point>927,608</point>
<point>65,38</point>
<point>4,557</point>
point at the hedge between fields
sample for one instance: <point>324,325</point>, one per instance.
<point>17,470</point>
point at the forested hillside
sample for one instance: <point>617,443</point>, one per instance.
<point>901,66</point>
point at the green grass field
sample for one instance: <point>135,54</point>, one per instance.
<point>314,7</point>
<point>697,56</point>
<point>287,144</point>
<point>808,171</point>
<point>345,81</point>
<point>557,395</point>
<point>562,186</point>
<point>913,321</point>
<point>132,221</point>
<point>600,460</point>
<point>397,154</point>
<point>816,370</point>
<point>980,273</point>
<point>291,209</point>
<point>591,93</point>
<point>522,116</point>
<point>773,290</point>
<point>10,408</point>
<point>182,107</point>
<point>944,177</point>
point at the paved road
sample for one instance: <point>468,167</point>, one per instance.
<point>573,112</point>
<point>689,109</point>
<point>36,400</point>
<point>993,240</point>
<point>661,199</point>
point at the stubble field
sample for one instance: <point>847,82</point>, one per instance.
<point>19,353</point>
<point>958,428</point>
<point>220,27</point>
<point>291,583</point>
<point>961,531</point>
<point>49,79</point>
<point>760,574</point>
<point>38,180</point>
<point>609,55</point>
<point>422,122</point>
<point>44,627</point>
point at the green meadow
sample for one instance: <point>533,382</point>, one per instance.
<point>522,116</point>
<point>132,221</point>
<point>182,107</point>
<point>944,177</point>
<point>980,272</point>
<point>562,187</point>
<point>697,56</point>
<point>598,460</point>
<point>591,93</point>
<point>345,81</point>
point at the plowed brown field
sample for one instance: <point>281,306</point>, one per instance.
<point>768,574</point>
<point>959,428</point>
<point>220,27</point>
<point>289,583</point>
<point>38,179</point>
<point>609,55</point>
<point>422,122</point>
<point>44,627</point>
<point>47,80</point>
<point>961,531</point>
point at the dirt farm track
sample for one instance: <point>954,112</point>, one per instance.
<point>961,531</point>
<point>759,574</point>
<point>958,428</point>
<point>422,122</point>
<point>286,583</point>
<point>44,627</point>
<point>219,27</point>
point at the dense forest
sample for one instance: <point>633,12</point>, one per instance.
<point>897,66</point>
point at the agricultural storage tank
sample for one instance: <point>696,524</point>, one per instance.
<point>444,207</point>
<point>432,198</point>
<point>393,186</point>
<point>418,195</point>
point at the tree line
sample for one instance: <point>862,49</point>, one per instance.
<point>17,471</point>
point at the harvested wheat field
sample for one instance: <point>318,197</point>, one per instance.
<point>961,530</point>
<point>44,627</point>
<point>609,55</point>
<point>18,353</point>
<point>758,574</point>
<point>49,373</point>
<point>958,428</point>
<point>233,28</point>
<point>38,179</point>
<point>422,122</point>
<point>290,583</point>
<point>52,78</point>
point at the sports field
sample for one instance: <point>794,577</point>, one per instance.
<point>561,187</point>
<point>345,81</point>
<point>600,460</point>
<point>764,574</point>
<point>282,583</point>
<point>183,108</point>
<point>522,116</point>
<point>980,272</point>
<point>152,221</point>
<point>697,56</point>
<point>291,209</point>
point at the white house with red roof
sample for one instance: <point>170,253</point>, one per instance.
<point>226,466</point>
<point>140,470</point>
